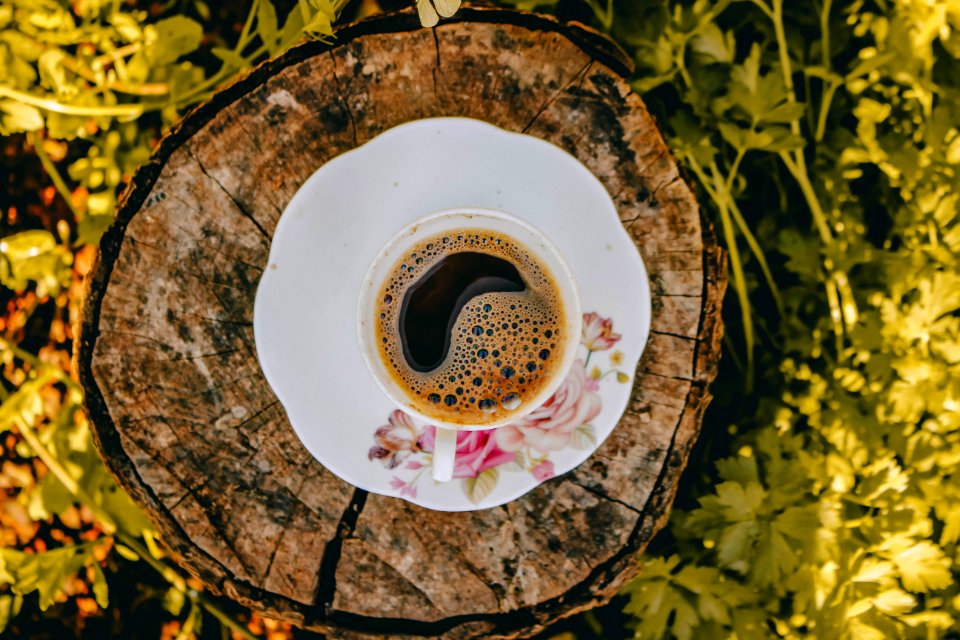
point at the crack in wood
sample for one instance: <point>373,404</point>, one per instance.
<point>282,523</point>
<point>580,75</point>
<point>631,220</point>
<point>243,288</point>
<point>273,554</point>
<point>189,493</point>
<point>190,356</point>
<point>406,579</point>
<point>600,494</point>
<point>665,184</point>
<point>436,67</point>
<point>129,391</point>
<point>327,582</point>
<point>647,372</point>
<point>192,492</point>
<point>138,242</point>
<point>478,573</point>
<point>283,532</point>
<point>257,144</point>
<point>134,334</point>
<point>679,336</point>
<point>642,171</point>
<point>215,446</point>
<point>221,532</point>
<point>344,98</point>
<point>217,249</point>
<point>199,392</point>
<point>640,414</point>
<point>226,321</point>
<point>257,414</point>
<point>240,206</point>
<point>714,281</point>
<point>207,219</point>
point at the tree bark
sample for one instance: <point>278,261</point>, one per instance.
<point>185,419</point>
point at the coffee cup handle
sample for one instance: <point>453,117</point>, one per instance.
<point>444,453</point>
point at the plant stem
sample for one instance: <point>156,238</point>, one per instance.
<point>740,285</point>
<point>799,172</point>
<point>119,52</point>
<point>180,584</point>
<point>734,170</point>
<point>595,625</point>
<point>798,162</point>
<point>825,34</point>
<point>760,4</point>
<point>116,111</point>
<point>247,25</point>
<point>145,89</point>
<point>721,199</point>
<point>682,67</point>
<point>843,306</point>
<point>758,253</point>
<point>831,86</point>
<point>53,465</point>
<point>825,102</point>
<point>26,356</point>
<point>603,16</point>
<point>54,174</point>
<point>731,351</point>
<point>727,194</point>
<point>167,573</point>
<point>836,317</point>
<point>198,93</point>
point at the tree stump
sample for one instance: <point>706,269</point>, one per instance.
<point>185,419</point>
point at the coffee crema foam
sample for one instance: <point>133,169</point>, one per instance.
<point>503,346</point>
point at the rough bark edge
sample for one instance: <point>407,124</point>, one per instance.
<point>605,578</point>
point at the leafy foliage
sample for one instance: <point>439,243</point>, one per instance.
<point>46,572</point>
<point>101,74</point>
<point>824,137</point>
<point>95,84</point>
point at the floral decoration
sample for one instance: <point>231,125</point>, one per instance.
<point>598,332</point>
<point>523,446</point>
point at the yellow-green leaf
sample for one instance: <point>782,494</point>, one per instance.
<point>480,487</point>
<point>584,438</point>
<point>171,38</point>
<point>16,117</point>
<point>923,567</point>
<point>894,602</point>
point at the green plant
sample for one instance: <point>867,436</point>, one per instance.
<point>97,82</point>
<point>824,136</point>
<point>101,74</point>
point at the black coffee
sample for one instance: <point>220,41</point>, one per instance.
<point>432,304</point>
<point>469,324</point>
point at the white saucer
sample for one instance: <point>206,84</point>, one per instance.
<point>305,325</point>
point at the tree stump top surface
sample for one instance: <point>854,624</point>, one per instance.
<point>187,422</point>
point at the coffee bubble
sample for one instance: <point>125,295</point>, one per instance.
<point>460,323</point>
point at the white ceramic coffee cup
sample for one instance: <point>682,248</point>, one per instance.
<point>400,245</point>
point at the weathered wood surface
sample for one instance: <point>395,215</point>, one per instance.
<point>186,420</point>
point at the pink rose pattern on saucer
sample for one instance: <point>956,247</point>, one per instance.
<point>524,446</point>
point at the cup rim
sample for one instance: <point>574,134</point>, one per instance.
<point>409,234</point>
